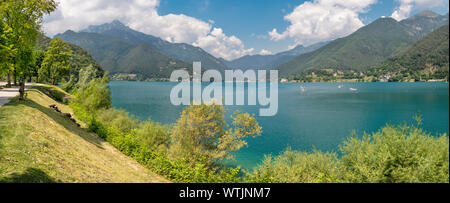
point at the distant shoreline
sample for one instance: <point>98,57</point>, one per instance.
<point>166,81</point>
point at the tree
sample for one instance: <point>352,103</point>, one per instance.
<point>24,17</point>
<point>56,61</point>
<point>38,58</point>
<point>201,134</point>
<point>7,51</point>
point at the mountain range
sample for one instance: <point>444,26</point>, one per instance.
<point>117,55</point>
<point>270,61</point>
<point>368,46</point>
<point>122,50</point>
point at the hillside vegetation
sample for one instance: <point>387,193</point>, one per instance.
<point>429,56</point>
<point>121,56</point>
<point>368,46</point>
<point>38,144</point>
<point>181,51</point>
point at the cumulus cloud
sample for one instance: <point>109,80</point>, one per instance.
<point>407,6</point>
<point>142,15</point>
<point>323,20</point>
<point>265,52</point>
<point>217,43</point>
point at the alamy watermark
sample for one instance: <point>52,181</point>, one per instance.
<point>213,92</point>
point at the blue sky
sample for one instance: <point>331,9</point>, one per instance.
<point>250,20</point>
<point>234,28</point>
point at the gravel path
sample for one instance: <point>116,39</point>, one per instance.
<point>7,93</point>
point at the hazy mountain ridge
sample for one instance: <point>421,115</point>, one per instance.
<point>368,46</point>
<point>270,61</point>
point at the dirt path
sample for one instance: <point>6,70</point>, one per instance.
<point>7,93</point>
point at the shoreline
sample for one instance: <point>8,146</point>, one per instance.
<point>287,82</point>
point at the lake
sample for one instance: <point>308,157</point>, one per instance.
<point>321,117</point>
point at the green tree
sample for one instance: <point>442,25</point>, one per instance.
<point>7,50</point>
<point>201,135</point>
<point>38,58</point>
<point>24,17</point>
<point>95,96</point>
<point>56,62</point>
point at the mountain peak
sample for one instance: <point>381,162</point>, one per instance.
<point>115,24</point>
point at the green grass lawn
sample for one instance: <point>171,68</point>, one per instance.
<point>38,144</point>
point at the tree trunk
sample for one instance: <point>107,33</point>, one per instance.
<point>9,80</point>
<point>15,77</point>
<point>22,90</point>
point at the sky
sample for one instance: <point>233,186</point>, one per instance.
<point>233,28</point>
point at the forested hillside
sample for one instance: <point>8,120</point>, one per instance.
<point>368,46</point>
<point>121,56</point>
<point>429,56</point>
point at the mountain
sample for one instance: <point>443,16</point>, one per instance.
<point>270,61</point>
<point>424,22</point>
<point>368,46</point>
<point>118,55</point>
<point>430,55</point>
<point>180,51</point>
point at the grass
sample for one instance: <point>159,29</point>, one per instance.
<point>38,144</point>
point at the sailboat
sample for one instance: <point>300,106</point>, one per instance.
<point>303,89</point>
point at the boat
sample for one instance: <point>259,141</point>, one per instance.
<point>353,89</point>
<point>303,89</point>
<point>340,86</point>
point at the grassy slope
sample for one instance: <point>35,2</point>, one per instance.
<point>40,145</point>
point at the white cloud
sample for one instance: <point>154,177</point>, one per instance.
<point>218,44</point>
<point>407,6</point>
<point>323,20</point>
<point>142,15</point>
<point>265,52</point>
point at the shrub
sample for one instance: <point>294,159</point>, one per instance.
<point>296,167</point>
<point>96,96</point>
<point>395,154</point>
<point>202,135</point>
<point>403,154</point>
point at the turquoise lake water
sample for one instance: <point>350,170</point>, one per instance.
<point>321,117</point>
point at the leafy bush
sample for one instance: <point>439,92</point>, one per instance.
<point>96,96</point>
<point>296,167</point>
<point>148,143</point>
<point>202,135</point>
<point>403,154</point>
<point>395,154</point>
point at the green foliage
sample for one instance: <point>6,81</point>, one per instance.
<point>395,154</point>
<point>201,134</point>
<point>403,154</point>
<point>148,143</point>
<point>96,96</point>
<point>79,62</point>
<point>296,167</point>
<point>56,62</point>
<point>24,18</point>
